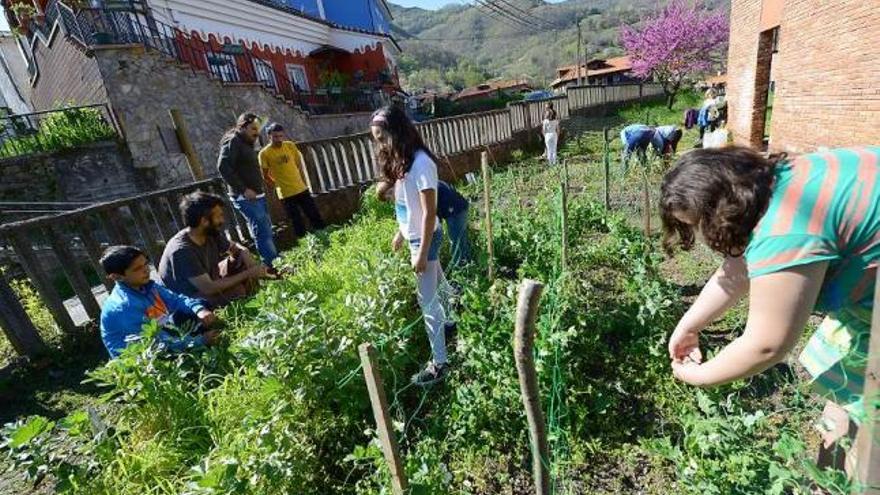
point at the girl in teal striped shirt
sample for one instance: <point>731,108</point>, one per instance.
<point>797,236</point>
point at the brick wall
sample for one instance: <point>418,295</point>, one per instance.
<point>67,75</point>
<point>742,60</point>
<point>828,87</point>
<point>826,72</point>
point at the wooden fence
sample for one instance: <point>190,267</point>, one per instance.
<point>73,241</point>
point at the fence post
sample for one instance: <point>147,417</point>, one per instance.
<point>646,200</point>
<point>195,165</point>
<point>17,325</point>
<point>487,204</point>
<point>564,188</point>
<point>606,149</point>
<point>867,443</point>
<point>383,418</point>
<point>523,346</point>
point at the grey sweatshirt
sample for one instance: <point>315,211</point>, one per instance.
<point>239,166</point>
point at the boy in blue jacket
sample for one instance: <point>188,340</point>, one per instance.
<point>136,300</point>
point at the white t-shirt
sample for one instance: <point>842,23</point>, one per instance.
<point>407,201</point>
<point>551,126</point>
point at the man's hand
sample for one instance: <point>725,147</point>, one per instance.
<point>420,263</point>
<point>211,337</point>
<point>397,242</point>
<point>258,271</point>
<point>250,193</point>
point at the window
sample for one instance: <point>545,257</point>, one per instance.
<point>223,66</point>
<point>264,72</point>
<point>297,76</point>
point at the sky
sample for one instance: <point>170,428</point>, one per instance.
<point>436,4</point>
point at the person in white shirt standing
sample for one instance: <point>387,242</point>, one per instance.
<point>404,160</point>
<point>550,129</point>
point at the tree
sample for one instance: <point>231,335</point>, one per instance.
<point>681,40</point>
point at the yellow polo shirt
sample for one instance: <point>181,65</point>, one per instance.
<point>282,163</point>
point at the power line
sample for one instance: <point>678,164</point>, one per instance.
<point>487,4</point>
<point>522,13</point>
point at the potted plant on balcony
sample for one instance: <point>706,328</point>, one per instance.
<point>24,12</point>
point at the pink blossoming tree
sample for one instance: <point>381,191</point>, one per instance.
<point>679,41</point>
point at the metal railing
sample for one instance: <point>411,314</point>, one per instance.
<point>58,129</point>
<point>229,63</point>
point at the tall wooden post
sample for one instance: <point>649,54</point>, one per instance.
<point>195,164</point>
<point>523,346</point>
<point>867,444</point>
<point>606,150</point>
<point>383,418</point>
<point>564,226</point>
<point>487,204</point>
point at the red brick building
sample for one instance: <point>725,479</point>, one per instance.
<point>816,63</point>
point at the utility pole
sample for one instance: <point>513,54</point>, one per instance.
<point>578,65</point>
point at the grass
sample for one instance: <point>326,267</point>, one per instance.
<point>281,407</point>
<point>64,129</point>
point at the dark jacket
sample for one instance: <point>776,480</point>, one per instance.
<point>449,201</point>
<point>239,166</point>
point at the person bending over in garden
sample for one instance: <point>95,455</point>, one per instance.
<point>135,300</point>
<point>636,138</point>
<point>199,261</point>
<point>452,208</point>
<point>404,160</point>
<point>796,235</point>
<point>281,162</point>
<point>239,166</point>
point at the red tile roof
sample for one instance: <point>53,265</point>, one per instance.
<point>605,66</point>
<point>490,87</point>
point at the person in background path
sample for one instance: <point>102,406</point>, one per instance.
<point>240,168</point>
<point>637,137</point>
<point>199,261</point>
<point>452,208</point>
<point>796,235</point>
<point>280,161</point>
<point>136,300</point>
<point>707,118</point>
<point>404,160</point>
<point>550,130</point>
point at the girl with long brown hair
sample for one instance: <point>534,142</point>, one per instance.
<point>406,162</point>
<point>796,235</point>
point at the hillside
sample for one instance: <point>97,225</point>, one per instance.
<point>461,45</point>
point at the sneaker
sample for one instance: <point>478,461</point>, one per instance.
<point>432,374</point>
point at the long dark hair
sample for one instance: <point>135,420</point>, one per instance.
<point>395,155</point>
<point>725,191</point>
<point>241,122</point>
<point>549,111</point>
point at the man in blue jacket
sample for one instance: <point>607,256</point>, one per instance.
<point>137,300</point>
<point>637,137</point>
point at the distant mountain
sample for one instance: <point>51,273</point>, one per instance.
<point>461,45</point>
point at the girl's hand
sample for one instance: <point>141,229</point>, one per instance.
<point>420,263</point>
<point>685,344</point>
<point>689,372</point>
<point>397,242</point>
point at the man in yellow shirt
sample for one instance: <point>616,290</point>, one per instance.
<point>281,162</point>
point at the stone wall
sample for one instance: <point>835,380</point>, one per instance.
<point>341,124</point>
<point>89,174</point>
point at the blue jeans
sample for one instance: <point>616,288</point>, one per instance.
<point>456,227</point>
<point>434,251</point>
<point>256,212</point>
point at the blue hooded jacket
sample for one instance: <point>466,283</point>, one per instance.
<point>126,311</point>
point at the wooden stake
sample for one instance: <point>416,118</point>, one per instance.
<point>607,151</point>
<point>487,204</point>
<point>195,164</point>
<point>523,345</point>
<point>867,443</point>
<point>383,418</point>
<point>564,188</point>
<point>646,201</point>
